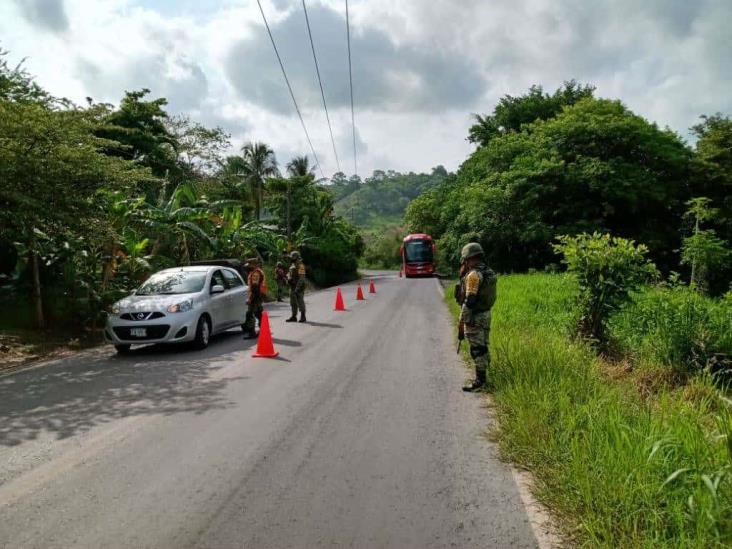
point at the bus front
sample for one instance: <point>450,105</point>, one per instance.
<point>418,255</point>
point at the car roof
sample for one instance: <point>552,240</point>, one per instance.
<point>204,269</point>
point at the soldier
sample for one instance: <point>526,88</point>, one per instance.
<point>281,278</point>
<point>476,294</point>
<point>257,290</point>
<point>296,281</point>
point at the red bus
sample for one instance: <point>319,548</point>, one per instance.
<point>418,255</point>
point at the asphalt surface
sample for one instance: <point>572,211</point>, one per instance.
<point>357,436</point>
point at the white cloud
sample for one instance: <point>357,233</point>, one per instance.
<point>420,67</point>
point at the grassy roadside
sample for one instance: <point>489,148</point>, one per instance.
<point>619,467</point>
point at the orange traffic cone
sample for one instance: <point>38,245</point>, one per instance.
<point>359,294</point>
<point>339,306</point>
<point>265,347</point>
<point>372,288</point>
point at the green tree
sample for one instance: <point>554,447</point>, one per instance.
<point>595,166</point>
<point>52,165</point>
<point>713,179</point>
<point>511,113</point>
<point>703,250</point>
<point>139,132</point>
<point>607,269</point>
<point>259,164</point>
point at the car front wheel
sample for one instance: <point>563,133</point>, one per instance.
<point>122,349</point>
<point>203,334</point>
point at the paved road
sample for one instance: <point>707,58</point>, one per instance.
<point>358,436</point>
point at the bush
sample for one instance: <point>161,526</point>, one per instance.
<point>677,327</point>
<point>332,257</point>
<point>383,252</point>
<point>607,269</point>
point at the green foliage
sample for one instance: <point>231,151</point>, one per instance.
<point>620,469</point>
<point>607,270</point>
<point>384,195</point>
<point>332,255</point>
<point>595,166</point>
<point>677,327</point>
<point>512,113</point>
<point>93,199</point>
<point>704,251</point>
<point>383,251</point>
<point>138,131</point>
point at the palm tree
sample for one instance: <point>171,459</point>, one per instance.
<point>299,167</point>
<point>233,175</point>
<point>259,164</point>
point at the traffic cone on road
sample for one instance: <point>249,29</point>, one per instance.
<point>372,288</point>
<point>265,346</point>
<point>359,294</point>
<point>339,306</point>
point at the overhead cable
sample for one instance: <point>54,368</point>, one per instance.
<point>289,87</point>
<point>320,83</point>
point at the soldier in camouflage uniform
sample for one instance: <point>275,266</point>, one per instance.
<point>476,294</point>
<point>296,281</point>
<point>256,283</point>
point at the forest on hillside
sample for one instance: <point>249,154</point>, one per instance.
<point>377,205</point>
<point>381,199</point>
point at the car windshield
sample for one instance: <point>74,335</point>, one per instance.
<point>418,250</point>
<point>180,282</point>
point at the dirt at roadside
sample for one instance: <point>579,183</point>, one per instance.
<point>22,347</point>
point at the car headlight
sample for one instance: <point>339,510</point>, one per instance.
<point>181,307</point>
<point>114,309</point>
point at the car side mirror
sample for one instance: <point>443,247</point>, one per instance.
<point>217,289</point>
<point>133,292</point>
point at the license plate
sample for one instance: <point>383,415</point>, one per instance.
<point>138,332</point>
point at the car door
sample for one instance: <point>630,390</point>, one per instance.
<point>219,303</point>
<point>237,296</point>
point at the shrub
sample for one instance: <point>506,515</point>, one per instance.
<point>382,252</point>
<point>677,327</point>
<point>607,268</point>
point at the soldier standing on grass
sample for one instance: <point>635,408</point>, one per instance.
<point>296,281</point>
<point>257,290</point>
<point>476,295</point>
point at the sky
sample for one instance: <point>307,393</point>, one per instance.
<point>420,67</point>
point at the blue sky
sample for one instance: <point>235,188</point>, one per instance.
<point>420,67</point>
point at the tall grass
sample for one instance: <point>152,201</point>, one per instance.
<point>620,469</point>
<point>677,327</point>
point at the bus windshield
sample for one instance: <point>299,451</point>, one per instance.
<point>418,251</point>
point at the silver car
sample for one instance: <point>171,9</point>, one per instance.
<point>177,305</point>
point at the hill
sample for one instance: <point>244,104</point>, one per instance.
<point>379,201</point>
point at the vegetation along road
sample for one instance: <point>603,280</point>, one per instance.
<point>358,435</point>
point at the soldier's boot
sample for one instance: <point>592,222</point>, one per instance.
<point>251,334</point>
<point>293,318</point>
<point>302,318</point>
<point>477,384</point>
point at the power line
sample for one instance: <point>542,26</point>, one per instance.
<point>320,82</point>
<point>289,87</point>
<point>350,80</point>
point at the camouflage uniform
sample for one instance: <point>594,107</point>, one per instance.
<point>256,283</point>
<point>477,294</point>
<point>281,279</point>
<point>296,281</point>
